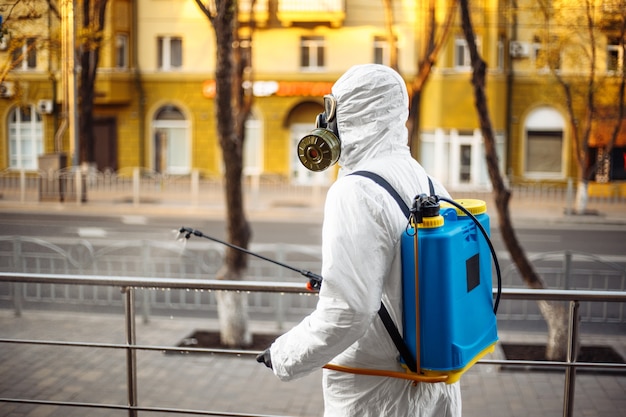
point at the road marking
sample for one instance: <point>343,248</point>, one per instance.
<point>134,220</point>
<point>91,232</point>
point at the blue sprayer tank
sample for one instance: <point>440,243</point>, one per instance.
<point>457,324</point>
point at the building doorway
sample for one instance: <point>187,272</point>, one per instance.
<point>105,144</point>
<point>171,148</point>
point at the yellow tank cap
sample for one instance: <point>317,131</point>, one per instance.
<point>431,222</point>
<point>472,205</point>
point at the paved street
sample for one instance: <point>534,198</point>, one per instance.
<point>233,384</point>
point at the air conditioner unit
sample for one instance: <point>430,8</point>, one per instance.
<point>519,49</point>
<point>7,89</point>
<point>45,106</point>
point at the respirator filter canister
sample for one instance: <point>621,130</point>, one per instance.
<point>320,149</point>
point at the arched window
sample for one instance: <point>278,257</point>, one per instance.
<point>171,147</point>
<point>25,137</point>
<point>544,156</point>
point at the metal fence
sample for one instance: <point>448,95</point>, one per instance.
<point>199,260</point>
<point>146,258</point>
<point>128,285</point>
<point>141,185</point>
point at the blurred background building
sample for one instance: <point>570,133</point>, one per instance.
<point>155,86</point>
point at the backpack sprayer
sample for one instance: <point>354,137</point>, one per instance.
<point>446,272</point>
<point>446,276</point>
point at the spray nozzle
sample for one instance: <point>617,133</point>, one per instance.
<point>424,206</point>
<point>187,232</point>
<point>314,283</point>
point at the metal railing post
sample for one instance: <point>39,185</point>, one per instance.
<point>22,185</point>
<point>17,286</point>
<point>146,266</point>
<point>131,353</point>
<point>195,187</point>
<point>572,353</point>
<point>136,186</point>
<point>567,266</point>
<point>280,300</point>
<point>569,197</point>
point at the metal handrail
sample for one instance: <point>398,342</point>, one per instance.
<point>129,284</point>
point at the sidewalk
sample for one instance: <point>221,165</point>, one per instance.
<point>237,384</point>
<point>271,205</point>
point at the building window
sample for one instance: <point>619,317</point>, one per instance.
<point>381,50</point>
<point>462,59</point>
<point>169,53</point>
<point>547,56</point>
<point>312,53</point>
<point>171,146</point>
<point>544,152</point>
<point>614,57</point>
<point>500,53</point>
<point>25,55</point>
<point>121,51</point>
<point>25,138</point>
<point>245,51</point>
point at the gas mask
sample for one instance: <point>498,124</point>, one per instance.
<point>321,148</point>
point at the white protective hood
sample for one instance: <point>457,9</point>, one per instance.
<point>361,261</point>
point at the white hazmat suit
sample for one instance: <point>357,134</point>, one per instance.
<point>361,261</point>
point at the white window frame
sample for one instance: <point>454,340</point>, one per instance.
<point>312,47</point>
<point>545,119</point>
<point>22,53</point>
<point>121,51</point>
<point>462,59</point>
<point>500,56</point>
<point>166,61</point>
<point>615,66</point>
<point>184,152</point>
<point>25,139</point>
<point>381,48</point>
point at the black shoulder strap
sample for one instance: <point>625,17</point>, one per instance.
<point>390,326</point>
<point>383,183</point>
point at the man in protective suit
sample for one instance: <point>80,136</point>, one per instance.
<point>361,262</point>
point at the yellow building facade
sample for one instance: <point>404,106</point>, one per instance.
<point>155,88</point>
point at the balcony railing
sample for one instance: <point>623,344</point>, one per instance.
<point>131,347</point>
<point>304,11</point>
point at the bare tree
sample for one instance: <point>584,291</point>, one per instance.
<point>554,313</point>
<point>233,105</point>
<point>391,36</point>
<point>570,34</point>
<point>434,37</point>
<point>90,38</point>
<point>20,44</point>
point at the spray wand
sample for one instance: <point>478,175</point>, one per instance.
<point>314,283</point>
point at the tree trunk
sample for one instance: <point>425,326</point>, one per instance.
<point>582,197</point>
<point>232,306</point>
<point>425,64</point>
<point>554,313</point>
<point>92,24</point>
